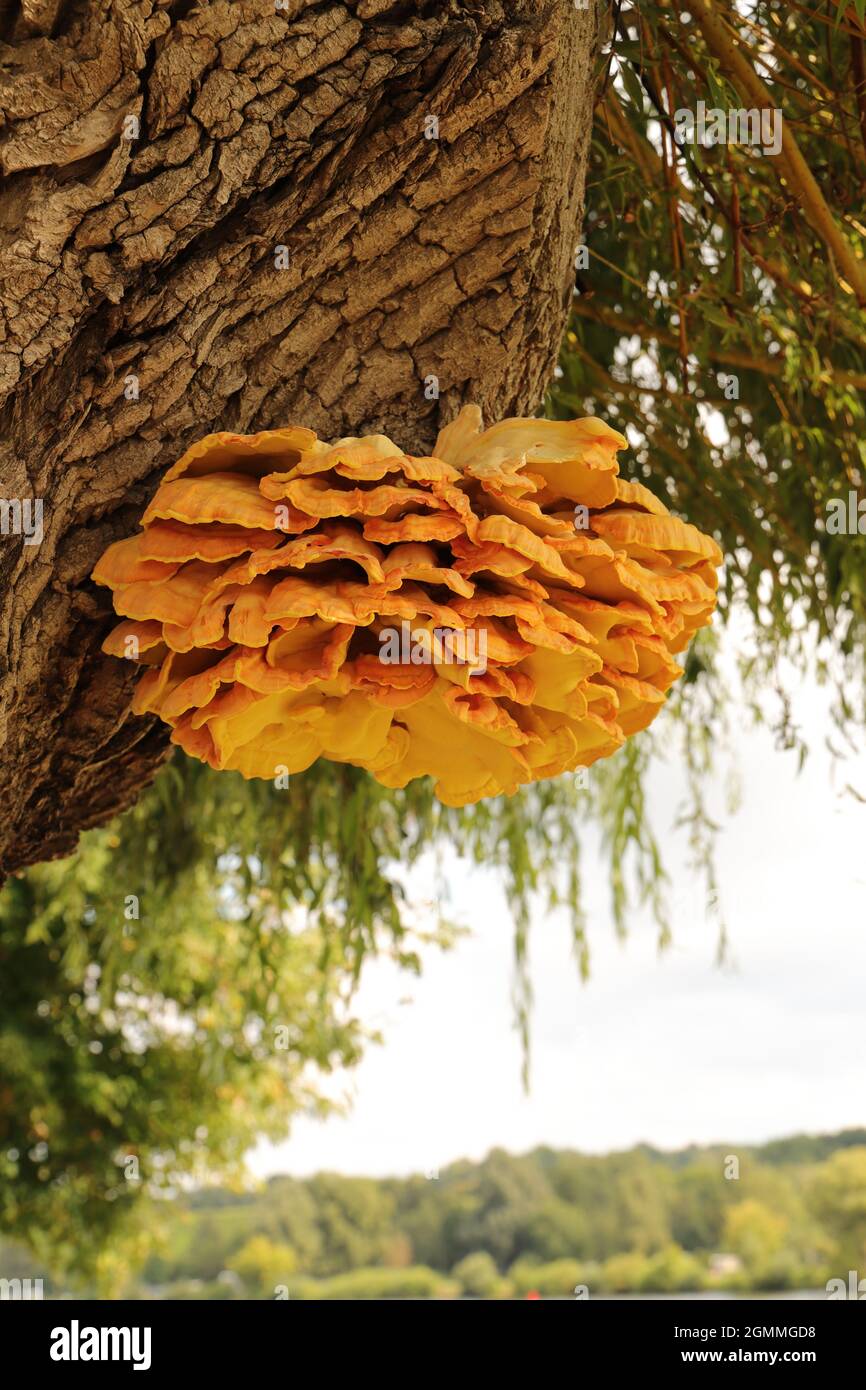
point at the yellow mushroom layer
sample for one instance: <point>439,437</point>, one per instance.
<point>505,610</point>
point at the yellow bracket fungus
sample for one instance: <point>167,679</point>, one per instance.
<point>273,570</point>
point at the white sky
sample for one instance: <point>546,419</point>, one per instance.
<point>664,1048</point>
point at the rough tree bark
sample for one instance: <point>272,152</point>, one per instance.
<point>139,255</point>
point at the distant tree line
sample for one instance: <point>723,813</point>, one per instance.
<point>548,1221</point>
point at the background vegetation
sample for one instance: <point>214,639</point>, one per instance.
<point>547,1221</point>
<point>713,264</point>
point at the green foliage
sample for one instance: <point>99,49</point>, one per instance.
<point>416,1282</point>
<point>263,1265</point>
<point>838,1200</point>
<point>697,1208</point>
<point>479,1228</point>
<point>556,1279</point>
<point>624,1273</point>
<point>671,1269</point>
<point>478,1276</point>
<point>706,264</point>
<point>352,1219</point>
<point>754,1232</point>
<point>139,1052</point>
<point>171,992</point>
<point>786,1222</point>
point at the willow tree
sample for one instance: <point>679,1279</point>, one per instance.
<point>357,215</point>
<point>721,315</point>
<point>718,319</point>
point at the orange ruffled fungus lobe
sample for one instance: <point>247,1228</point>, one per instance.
<point>503,611</point>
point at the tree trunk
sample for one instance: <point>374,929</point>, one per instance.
<point>234,216</point>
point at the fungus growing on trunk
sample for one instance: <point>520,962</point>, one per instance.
<point>503,611</point>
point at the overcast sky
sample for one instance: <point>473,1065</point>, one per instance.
<point>664,1048</point>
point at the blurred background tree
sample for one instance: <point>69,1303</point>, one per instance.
<point>263,1265</point>
<point>839,1202</point>
<point>431,1237</point>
